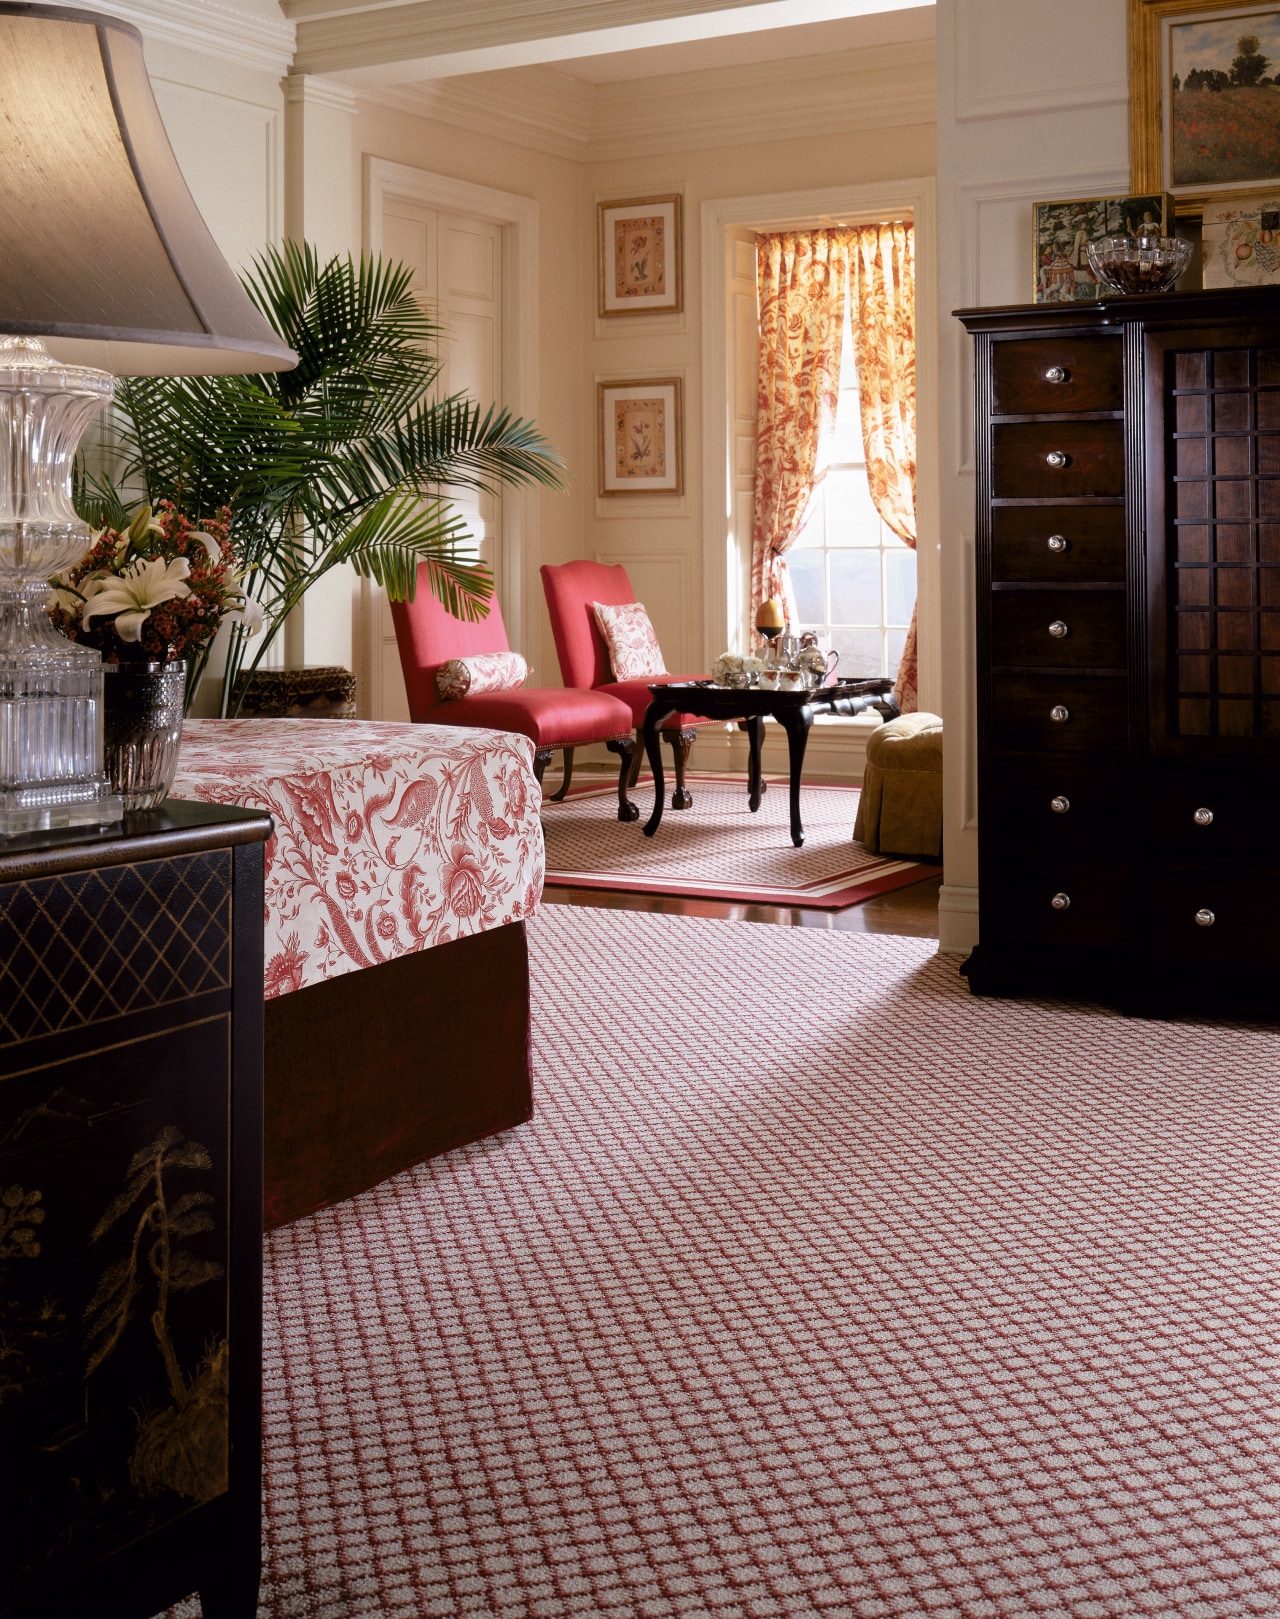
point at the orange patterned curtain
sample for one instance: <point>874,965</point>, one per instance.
<point>883,280</point>
<point>802,279</point>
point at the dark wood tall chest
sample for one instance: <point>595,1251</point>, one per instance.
<point>131,1216</point>
<point>1128,638</point>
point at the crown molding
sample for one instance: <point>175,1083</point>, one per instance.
<point>886,86</point>
<point>537,107</point>
<point>390,41</point>
<point>882,87</point>
<point>302,89</point>
<point>212,27</point>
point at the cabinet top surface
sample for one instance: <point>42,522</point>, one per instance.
<point>174,828</point>
<point>1190,308</point>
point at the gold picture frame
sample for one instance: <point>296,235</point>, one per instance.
<point>1164,153</point>
<point>641,436</point>
<point>638,254</point>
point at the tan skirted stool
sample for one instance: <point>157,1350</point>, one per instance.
<point>900,810</point>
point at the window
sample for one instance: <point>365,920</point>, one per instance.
<point>854,579</point>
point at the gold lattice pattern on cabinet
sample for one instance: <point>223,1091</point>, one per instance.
<point>92,945</point>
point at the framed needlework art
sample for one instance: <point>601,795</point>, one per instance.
<point>1061,273</point>
<point>639,256</point>
<point>641,431</point>
<point>1204,104</point>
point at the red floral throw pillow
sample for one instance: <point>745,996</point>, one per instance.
<point>473,677</point>
<point>634,652</point>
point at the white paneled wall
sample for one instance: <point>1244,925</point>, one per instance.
<point>1032,105</point>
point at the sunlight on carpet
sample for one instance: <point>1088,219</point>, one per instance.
<point>719,850</point>
<point>815,1287</point>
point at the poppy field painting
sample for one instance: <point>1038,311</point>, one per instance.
<point>1223,99</point>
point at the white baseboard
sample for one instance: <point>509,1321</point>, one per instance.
<point>957,919</point>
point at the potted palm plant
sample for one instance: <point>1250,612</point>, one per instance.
<point>350,457</point>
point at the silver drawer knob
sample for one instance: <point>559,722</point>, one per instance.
<point>1056,373</point>
<point>1059,805</point>
<point>1057,629</point>
<point>1057,458</point>
<point>1059,714</point>
<point>1061,902</point>
<point>1057,542</point>
<point>1203,817</point>
<point>1204,919</point>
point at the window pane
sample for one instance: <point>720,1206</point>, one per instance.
<point>806,569</point>
<point>847,442</point>
<point>853,519</point>
<point>897,640</point>
<point>860,653</point>
<point>814,529</point>
<point>855,587</point>
<point>899,586</point>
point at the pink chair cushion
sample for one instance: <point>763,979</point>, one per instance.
<point>636,695</point>
<point>553,716</point>
<point>429,635</point>
<point>570,590</point>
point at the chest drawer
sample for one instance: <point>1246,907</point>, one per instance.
<point>1059,544</point>
<point>1082,629</point>
<point>1032,376</point>
<point>1061,804</point>
<point>1059,713</point>
<point>1065,902</point>
<point>1206,814</point>
<point>1210,920</point>
<point>1051,460</point>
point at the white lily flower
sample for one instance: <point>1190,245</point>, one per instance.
<point>133,594</point>
<point>210,544</point>
<point>248,614</point>
<point>68,600</point>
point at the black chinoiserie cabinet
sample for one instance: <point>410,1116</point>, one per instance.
<point>1128,680</point>
<point>131,1216</point>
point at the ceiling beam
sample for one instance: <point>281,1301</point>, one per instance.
<point>406,41</point>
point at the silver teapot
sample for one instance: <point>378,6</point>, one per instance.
<point>814,664</point>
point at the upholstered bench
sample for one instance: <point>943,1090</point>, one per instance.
<point>900,810</point>
<point>405,861</point>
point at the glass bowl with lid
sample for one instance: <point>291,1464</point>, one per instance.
<point>1128,264</point>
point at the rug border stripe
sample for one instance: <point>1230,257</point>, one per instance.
<point>827,894</point>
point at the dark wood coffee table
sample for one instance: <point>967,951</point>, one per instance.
<point>793,710</point>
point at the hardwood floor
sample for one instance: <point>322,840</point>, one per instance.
<point>912,910</point>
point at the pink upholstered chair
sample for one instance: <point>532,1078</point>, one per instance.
<point>429,635</point>
<point>584,659</point>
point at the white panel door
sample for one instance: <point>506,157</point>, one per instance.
<point>457,265</point>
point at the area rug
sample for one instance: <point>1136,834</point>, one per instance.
<point>815,1288</point>
<point>719,849</point>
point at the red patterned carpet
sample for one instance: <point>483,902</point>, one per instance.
<point>815,1288</point>
<point>718,849</point>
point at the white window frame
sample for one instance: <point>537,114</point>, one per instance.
<point>724,610</point>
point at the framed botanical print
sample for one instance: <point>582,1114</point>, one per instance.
<point>639,256</point>
<point>1204,105</point>
<point>641,433</point>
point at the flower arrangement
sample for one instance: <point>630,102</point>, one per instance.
<point>732,669</point>
<point>155,592</point>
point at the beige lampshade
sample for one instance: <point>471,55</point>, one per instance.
<point>103,252</point>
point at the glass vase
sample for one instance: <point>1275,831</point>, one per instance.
<point>142,729</point>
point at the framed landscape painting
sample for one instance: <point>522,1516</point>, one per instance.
<point>640,437</point>
<point>1204,98</point>
<point>639,256</point>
